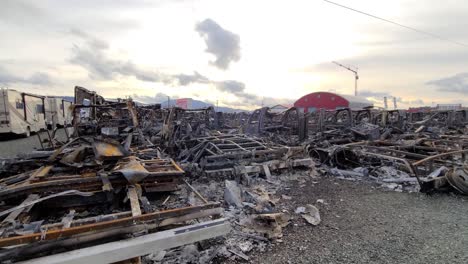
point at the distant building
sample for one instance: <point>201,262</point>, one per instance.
<point>422,109</point>
<point>184,103</point>
<point>440,107</point>
<point>449,107</point>
<point>330,101</point>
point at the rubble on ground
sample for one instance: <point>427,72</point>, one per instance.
<point>130,172</point>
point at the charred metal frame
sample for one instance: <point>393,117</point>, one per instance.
<point>291,122</point>
<point>94,229</point>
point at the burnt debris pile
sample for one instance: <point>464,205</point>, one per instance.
<point>138,183</point>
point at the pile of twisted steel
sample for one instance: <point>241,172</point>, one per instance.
<point>414,151</point>
<point>133,180</point>
<point>97,189</point>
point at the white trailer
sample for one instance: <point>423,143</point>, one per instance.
<point>58,112</point>
<point>21,113</point>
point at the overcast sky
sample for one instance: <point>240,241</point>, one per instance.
<point>238,53</point>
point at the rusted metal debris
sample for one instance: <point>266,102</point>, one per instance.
<point>232,155</point>
<point>85,175</point>
<point>93,188</point>
<point>104,183</point>
<point>90,230</point>
<point>100,185</point>
<point>411,146</point>
<point>288,127</point>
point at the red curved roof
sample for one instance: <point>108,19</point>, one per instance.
<point>321,100</point>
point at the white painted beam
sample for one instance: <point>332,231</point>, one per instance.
<point>138,246</point>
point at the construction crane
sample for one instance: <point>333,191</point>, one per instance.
<point>356,76</point>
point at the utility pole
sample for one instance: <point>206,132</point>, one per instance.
<point>355,71</point>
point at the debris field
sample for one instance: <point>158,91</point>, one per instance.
<point>141,184</point>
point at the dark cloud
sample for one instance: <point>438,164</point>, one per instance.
<point>454,84</point>
<point>38,78</point>
<point>186,79</point>
<point>238,89</point>
<point>94,61</point>
<point>6,77</point>
<point>223,44</point>
<point>92,41</point>
<point>92,55</point>
<point>231,86</point>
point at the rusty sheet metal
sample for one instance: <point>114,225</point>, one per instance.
<point>43,171</point>
<point>102,226</point>
<point>132,170</point>
<point>166,181</point>
<point>105,150</point>
<point>162,167</point>
<point>136,170</point>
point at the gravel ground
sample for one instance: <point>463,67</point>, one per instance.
<point>364,224</point>
<point>10,146</point>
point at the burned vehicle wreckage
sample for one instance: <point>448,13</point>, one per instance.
<point>131,180</point>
